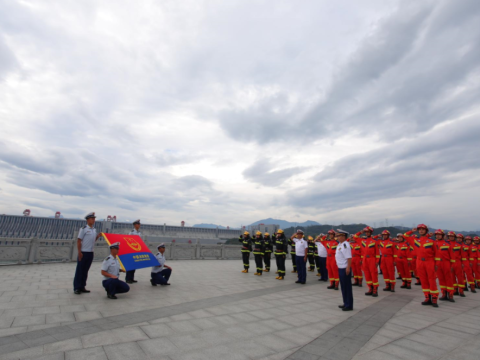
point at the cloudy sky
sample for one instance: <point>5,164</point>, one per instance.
<point>227,112</point>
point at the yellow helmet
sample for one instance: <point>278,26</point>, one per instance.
<point>258,233</point>
<point>246,233</point>
<point>266,234</point>
<point>310,238</point>
<point>279,231</point>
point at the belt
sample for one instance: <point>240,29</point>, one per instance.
<point>367,256</point>
<point>385,255</point>
<point>400,257</point>
<point>329,255</point>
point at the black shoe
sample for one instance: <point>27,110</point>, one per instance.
<point>113,297</point>
<point>387,288</point>
<point>165,284</point>
<point>129,281</point>
<point>297,282</point>
<point>151,282</point>
<point>336,288</point>
<point>456,292</point>
<point>434,304</point>
<point>443,298</point>
<point>462,295</point>
<point>77,292</point>
<point>399,278</point>
<point>375,294</point>
<point>465,288</point>
<point>303,283</point>
<point>85,291</point>
<point>370,293</point>
<point>134,281</point>
<point>341,306</point>
<point>331,287</point>
<point>451,299</point>
<point>474,291</point>
<point>360,285</point>
<point>347,309</point>
<point>355,284</point>
<point>427,302</point>
<point>409,287</point>
<point>320,280</point>
<point>403,287</point>
<point>418,283</point>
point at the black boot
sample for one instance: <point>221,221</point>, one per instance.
<point>444,297</point>
<point>370,291</point>
<point>387,288</point>
<point>428,300</point>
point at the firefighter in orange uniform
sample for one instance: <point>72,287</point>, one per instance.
<point>458,276</point>
<point>388,254</point>
<point>410,239</point>
<point>403,260</point>
<point>427,259</point>
<point>370,259</point>
<point>356,245</point>
<point>445,267</point>
<point>468,260</point>
<point>476,242</point>
<point>331,245</point>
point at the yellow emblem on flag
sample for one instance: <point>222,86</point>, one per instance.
<point>133,244</point>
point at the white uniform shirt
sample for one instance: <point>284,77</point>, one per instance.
<point>300,246</point>
<point>322,251</point>
<point>135,232</point>
<point>111,266</point>
<point>88,235</point>
<point>344,252</point>
<point>161,259</point>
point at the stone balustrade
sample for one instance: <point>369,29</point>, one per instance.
<point>35,251</point>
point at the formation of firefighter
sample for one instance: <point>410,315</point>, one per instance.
<point>418,254</point>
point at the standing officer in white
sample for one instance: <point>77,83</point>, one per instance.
<point>343,256</point>
<point>110,271</point>
<point>129,276</point>
<point>85,243</point>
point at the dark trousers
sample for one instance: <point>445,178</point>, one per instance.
<point>130,275</point>
<point>317,264</point>
<point>162,276</point>
<point>294,261</point>
<point>346,285</point>
<point>115,286</point>
<point>280,259</point>
<point>311,262</point>
<point>323,268</point>
<point>246,260</point>
<point>258,263</point>
<point>266,260</point>
<point>81,273</point>
<point>302,269</point>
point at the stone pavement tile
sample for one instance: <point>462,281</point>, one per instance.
<point>292,320</point>
<point>29,320</point>
<point>441,341</point>
<point>161,320</point>
<point>125,351</point>
<point>244,317</point>
<point>456,326</point>
<point>157,348</point>
<point>11,347</point>
<point>275,325</point>
<point>204,323</point>
<point>345,350</point>
<point>157,330</point>
<point>12,331</point>
<point>188,342</point>
<point>35,338</point>
<point>290,335</point>
<point>87,315</point>
<point>72,308</point>
<point>408,349</point>
<point>65,345</point>
<point>46,310</point>
<point>23,354</point>
<point>183,327</point>
<point>222,352</point>
<point>238,332</point>
<point>180,317</point>
<point>369,346</point>
<point>95,353</point>
<point>281,355</point>
<point>251,349</point>
<point>315,349</point>
<point>377,355</point>
<point>113,337</point>
<point>6,322</point>
<point>450,332</point>
<point>40,327</point>
<point>57,356</point>
<point>275,343</point>
<point>26,311</point>
<point>261,314</point>
<point>411,322</point>
<point>200,313</point>
<point>302,355</point>
<point>225,320</point>
<point>59,318</point>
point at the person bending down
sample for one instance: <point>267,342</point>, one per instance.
<point>161,274</point>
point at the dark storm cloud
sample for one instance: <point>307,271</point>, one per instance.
<point>408,75</point>
<point>262,172</point>
<point>407,168</point>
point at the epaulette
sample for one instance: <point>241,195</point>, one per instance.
<point>344,246</point>
<point>84,227</point>
<point>108,257</point>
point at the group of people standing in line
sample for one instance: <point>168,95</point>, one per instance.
<point>451,258</point>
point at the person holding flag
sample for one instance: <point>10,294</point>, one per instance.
<point>129,276</point>
<point>110,270</point>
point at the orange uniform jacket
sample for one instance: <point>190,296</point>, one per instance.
<point>403,251</point>
<point>445,251</point>
<point>387,247</point>
<point>426,249</point>
<point>370,249</point>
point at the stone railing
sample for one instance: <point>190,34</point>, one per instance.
<point>35,251</point>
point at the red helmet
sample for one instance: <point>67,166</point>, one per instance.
<point>368,228</point>
<point>451,233</point>
<point>439,232</point>
<point>460,235</point>
<point>468,237</point>
<point>331,232</point>
<point>476,238</point>
<point>385,232</point>
<point>422,226</point>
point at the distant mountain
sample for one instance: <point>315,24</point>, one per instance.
<point>285,224</point>
<point>209,226</point>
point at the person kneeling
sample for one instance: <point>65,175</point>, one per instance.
<point>110,271</point>
<point>161,274</point>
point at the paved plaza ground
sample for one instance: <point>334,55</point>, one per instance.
<point>213,311</point>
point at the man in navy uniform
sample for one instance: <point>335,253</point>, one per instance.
<point>161,274</point>
<point>110,271</point>
<point>85,243</point>
<point>343,256</point>
<point>301,248</point>
<point>129,276</point>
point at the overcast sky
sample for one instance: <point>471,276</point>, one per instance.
<point>228,112</point>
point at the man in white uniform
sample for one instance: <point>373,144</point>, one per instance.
<point>343,256</point>
<point>301,248</point>
<point>110,271</point>
<point>322,257</point>
<point>129,276</point>
<point>161,274</point>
